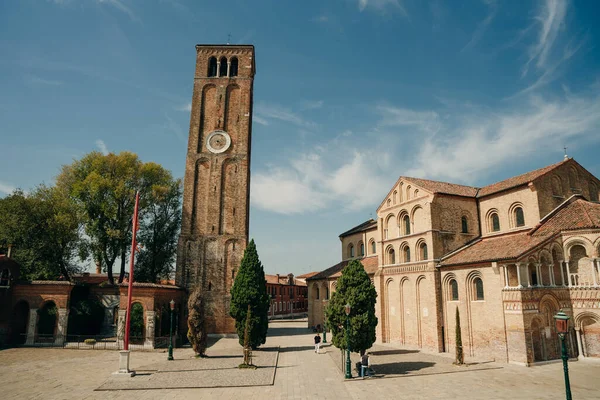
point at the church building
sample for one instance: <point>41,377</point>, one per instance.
<point>508,256</point>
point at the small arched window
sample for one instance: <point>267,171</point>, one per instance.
<point>406,222</point>
<point>212,67</point>
<point>556,186</point>
<point>453,290</point>
<point>317,293</point>
<point>362,249</point>
<point>519,217</point>
<point>408,192</point>
<point>233,68</point>
<point>373,247</point>
<point>351,251</point>
<point>478,283</point>
<point>423,251</point>
<point>593,192</point>
<point>407,254</point>
<point>495,222</point>
<point>5,277</point>
<point>391,256</point>
<point>464,223</point>
<point>395,196</point>
<point>326,293</point>
<point>223,67</point>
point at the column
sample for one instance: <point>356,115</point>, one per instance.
<point>538,271</point>
<point>594,271</point>
<point>551,274</point>
<point>31,327</point>
<point>562,273</point>
<point>579,346</point>
<point>61,331</point>
<point>218,67</point>
<point>228,67</point>
<point>121,328</point>
<point>519,266</point>
<point>149,339</point>
<point>505,275</point>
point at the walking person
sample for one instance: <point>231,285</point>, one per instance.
<point>317,343</point>
<point>365,365</point>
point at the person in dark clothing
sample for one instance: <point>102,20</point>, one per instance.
<point>365,365</point>
<point>317,343</point>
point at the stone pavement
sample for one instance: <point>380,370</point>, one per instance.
<point>33,373</point>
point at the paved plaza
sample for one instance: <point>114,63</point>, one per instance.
<point>30,373</point>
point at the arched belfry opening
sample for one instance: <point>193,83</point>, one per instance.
<point>212,67</point>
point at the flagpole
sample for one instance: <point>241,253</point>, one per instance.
<point>131,262</point>
<point>124,354</point>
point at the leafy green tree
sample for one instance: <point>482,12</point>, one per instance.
<point>250,289</point>
<point>158,233</point>
<point>44,228</point>
<point>354,287</point>
<point>104,187</point>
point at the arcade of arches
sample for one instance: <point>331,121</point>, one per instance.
<point>37,313</point>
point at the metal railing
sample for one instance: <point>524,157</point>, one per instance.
<point>93,342</point>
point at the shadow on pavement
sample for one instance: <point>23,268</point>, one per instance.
<point>286,331</point>
<point>392,352</point>
<point>295,348</point>
<point>401,368</point>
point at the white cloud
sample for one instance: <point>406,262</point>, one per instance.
<point>6,188</point>
<point>187,107</point>
<point>483,25</point>
<point>333,174</point>
<point>260,120</point>
<point>102,146</point>
<point>381,5</point>
<point>476,143</point>
<point>312,104</point>
<point>427,121</point>
<point>34,80</point>
<point>117,4</point>
<point>266,111</point>
<point>320,18</point>
<point>551,17</point>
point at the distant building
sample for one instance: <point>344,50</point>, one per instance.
<point>289,296</point>
<point>508,256</point>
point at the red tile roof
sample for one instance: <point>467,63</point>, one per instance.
<point>369,263</point>
<point>471,191</point>
<point>365,226</point>
<point>443,187</point>
<point>518,180</point>
<point>575,213</point>
<point>307,275</point>
<point>283,280</point>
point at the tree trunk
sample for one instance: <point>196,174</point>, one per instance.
<point>123,256</point>
<point>109,272</point>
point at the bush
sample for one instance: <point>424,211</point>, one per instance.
<point>90,342</point>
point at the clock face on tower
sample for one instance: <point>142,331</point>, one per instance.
<point>218,142</point>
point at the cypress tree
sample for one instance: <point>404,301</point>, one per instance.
<point>355,288</point>
<point>196,329</point>
<point>460,358</point>
<point>250,289</point>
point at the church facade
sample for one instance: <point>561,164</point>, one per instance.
<point>214,229</point>
<point>508,256</point>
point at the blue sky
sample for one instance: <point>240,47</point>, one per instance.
<point>349,94</point>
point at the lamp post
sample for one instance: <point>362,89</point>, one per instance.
<point>170,358</point>
<point>325,331</point>
<point>347,334</point>
<point>562,328</point>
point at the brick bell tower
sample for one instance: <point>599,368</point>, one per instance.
<point>216,194</point>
